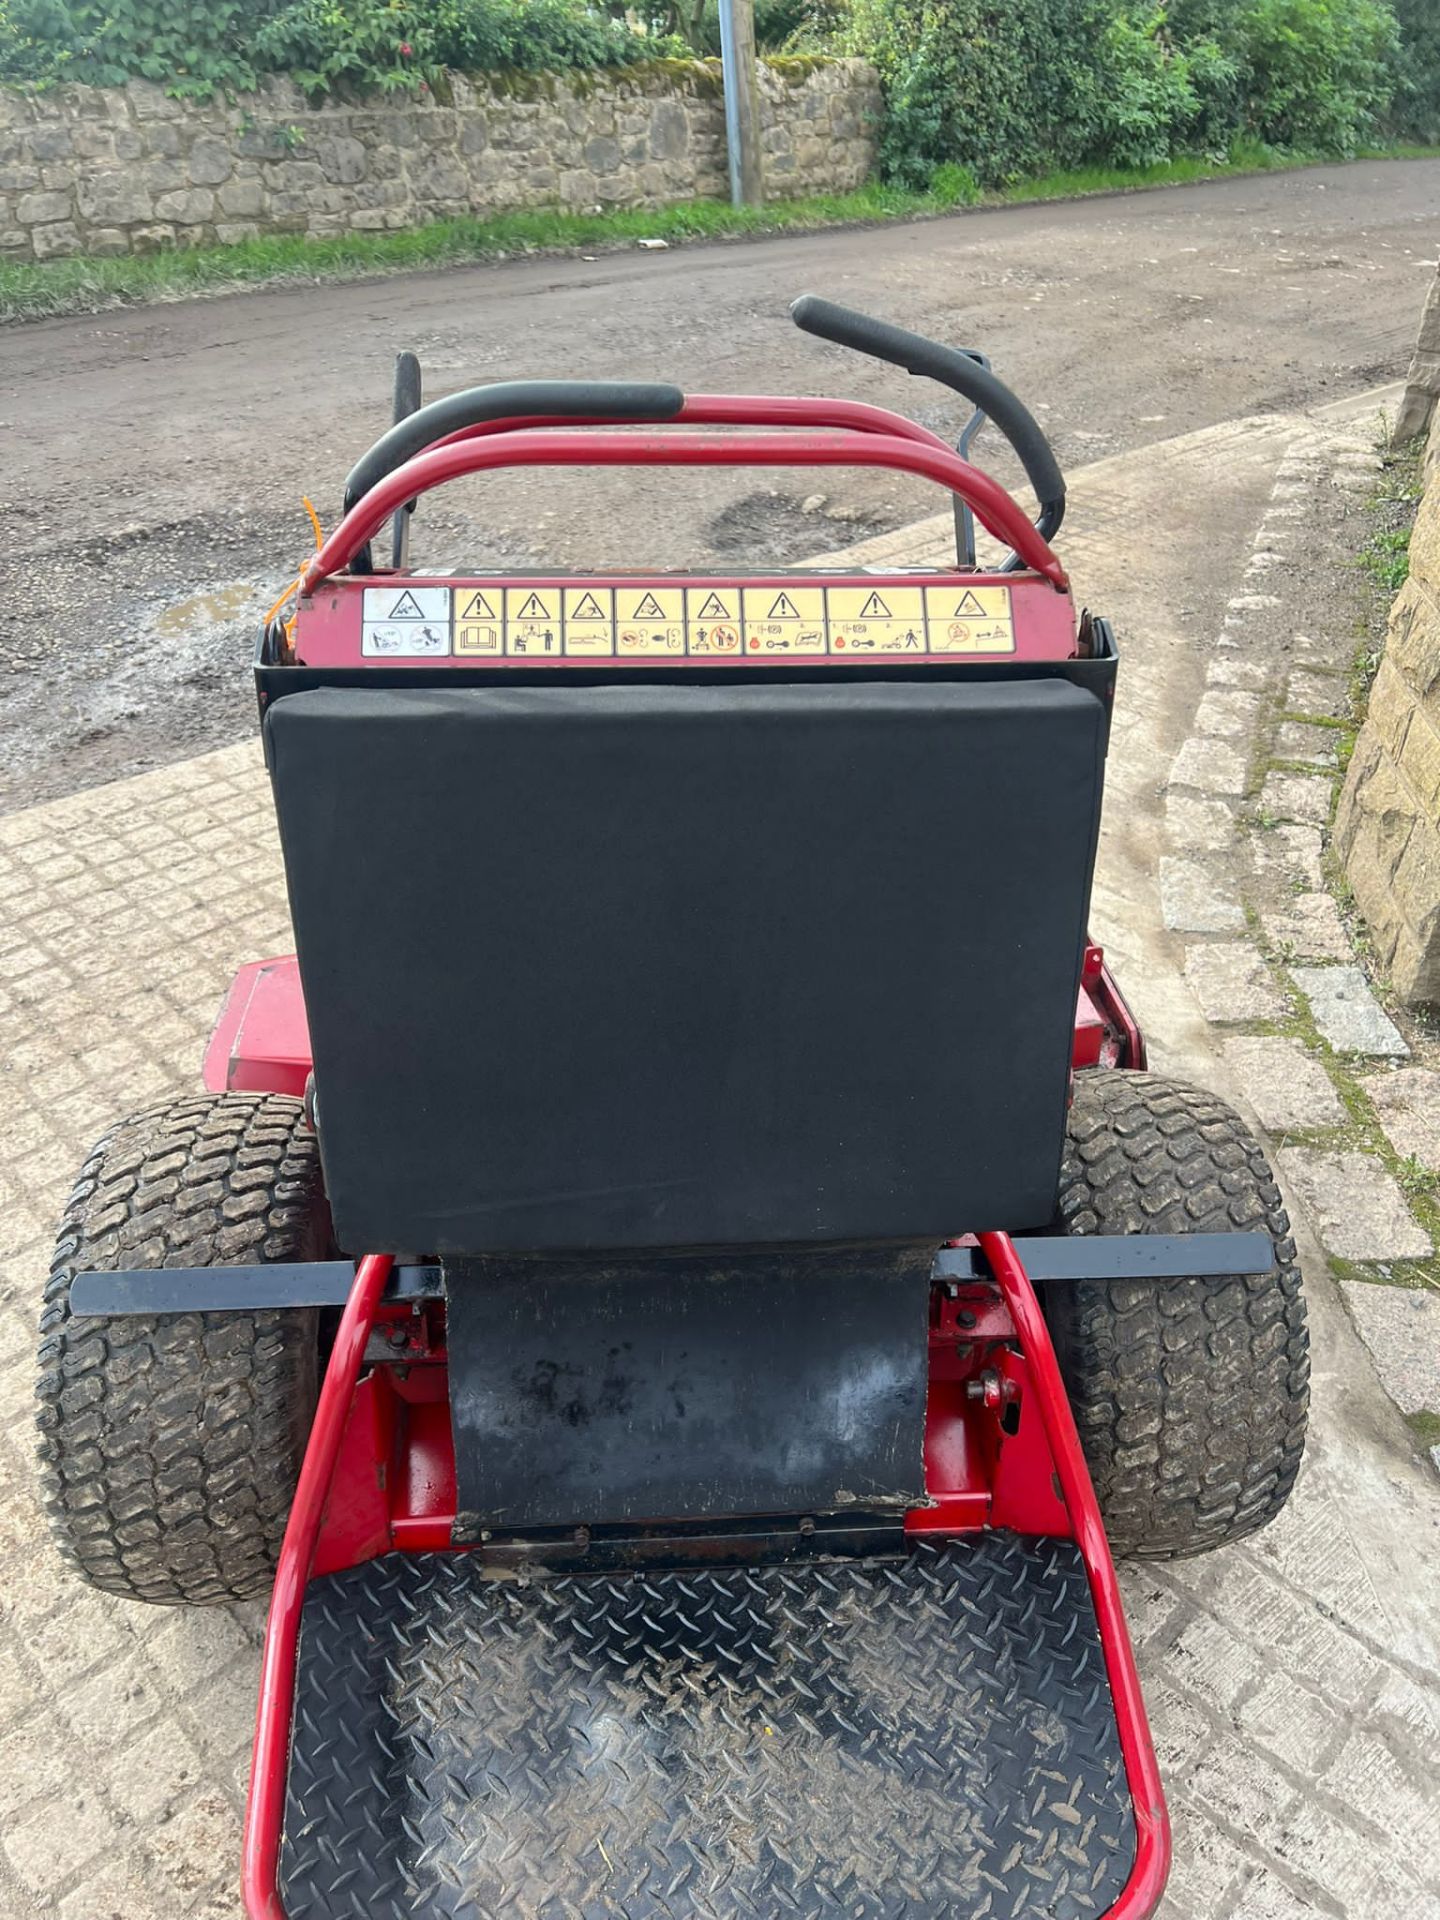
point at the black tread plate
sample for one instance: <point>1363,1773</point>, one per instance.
<point>918,1738</point>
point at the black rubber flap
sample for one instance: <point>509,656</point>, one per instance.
<point>641,966</point>
<point>688,1388</point>
<point>925,1739</point>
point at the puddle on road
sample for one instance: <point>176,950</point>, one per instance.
<point>219,604</point>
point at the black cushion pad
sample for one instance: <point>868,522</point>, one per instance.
<point>663,965</point>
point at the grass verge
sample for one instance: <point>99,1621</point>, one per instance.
<point>44,289</point>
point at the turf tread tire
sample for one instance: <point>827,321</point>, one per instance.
<point>170,1445</point>
<point>1190,1396</point>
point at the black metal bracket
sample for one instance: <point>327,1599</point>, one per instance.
<point>1121,1256</point>
<point>261,1289</point>
<point>327,1283</point>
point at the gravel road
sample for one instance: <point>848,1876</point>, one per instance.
<point>153,460</point>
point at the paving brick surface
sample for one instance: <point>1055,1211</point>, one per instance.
<point>1293,1681</point>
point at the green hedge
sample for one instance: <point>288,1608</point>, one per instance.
<point>1006,88</point>
<point>1415,112</point>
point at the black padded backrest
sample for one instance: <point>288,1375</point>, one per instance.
<point>679,965</point>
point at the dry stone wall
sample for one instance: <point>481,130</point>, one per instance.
<point>130,170</point>
<point>1422,387</point>
<point>1387,829</point>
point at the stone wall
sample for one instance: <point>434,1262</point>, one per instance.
<point>1422,387</point>
<point>129,170</point>
<point>1387,829</point>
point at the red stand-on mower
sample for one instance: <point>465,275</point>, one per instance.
<point>677,1281</point>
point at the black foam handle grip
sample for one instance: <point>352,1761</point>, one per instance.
<point>637,400</point>
<point>953,369</point>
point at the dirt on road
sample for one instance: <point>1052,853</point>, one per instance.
<point>154,460</point>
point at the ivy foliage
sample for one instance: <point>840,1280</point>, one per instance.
<point>200,46</point>
<point>1009,88</point>
<point>389,44</point>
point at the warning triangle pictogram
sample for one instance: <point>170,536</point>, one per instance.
<point>969,609</point>
<point>874,609</point>
<point>407,607</point>
<point>479,608</point>
<point>649,609</point>
<point>784,608</point>
<point>714,609</point>
<point>534,609</point>
<point>589,609</point>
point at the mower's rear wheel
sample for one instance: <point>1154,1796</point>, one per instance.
<point>1190,1395</point>
<point>170,1446</point>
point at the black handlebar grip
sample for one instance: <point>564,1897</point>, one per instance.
<point>952,369</point>
<point>637,400</point>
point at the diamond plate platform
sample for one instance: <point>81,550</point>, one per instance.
<point>919,1738</point>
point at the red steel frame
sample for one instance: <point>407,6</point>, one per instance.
<point>968,1491</point>
<point>989,1350</point>
<point>898,449</point>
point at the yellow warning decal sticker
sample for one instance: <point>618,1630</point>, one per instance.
<point>876,620</point>
<point>795,619</point>
<point>712,620</point>
<point>589,620</point>
<point>532,622</point>
<point>784,620</point>
<point>650,621</point>
<point>479,620</point>
<point>970,619</point>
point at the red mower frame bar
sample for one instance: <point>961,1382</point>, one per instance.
<point>265,1809</point>
<point>876,440</point>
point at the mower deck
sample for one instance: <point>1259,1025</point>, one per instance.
<point>927,1736</point>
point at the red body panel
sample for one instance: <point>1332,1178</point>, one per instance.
<point>261,1041</point>
<point>329,626</point>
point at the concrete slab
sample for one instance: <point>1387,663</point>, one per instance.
<point>1290,852</point>
<point>1214,766</point>
<point>1401,1327</point>
<point>1347,1013</point>
<point>1359,1210</point>
<point>1235,673</point>
<point>1227,711</point>
<point>1322,693</point>
<point>1296,796</point>
<point>1308,927</point>
<point>1196,899</point>
<point>1287,1089</point>
<point>1408,1105</point>
<point>1314,746</point>
<point>1232,983</point>
<point>1196,825</point>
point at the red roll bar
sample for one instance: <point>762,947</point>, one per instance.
<point>735,410</point>
<point>900,452</point>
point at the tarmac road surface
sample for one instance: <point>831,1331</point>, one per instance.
<point>154,459</point>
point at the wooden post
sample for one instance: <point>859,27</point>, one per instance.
<point>742,120</point>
